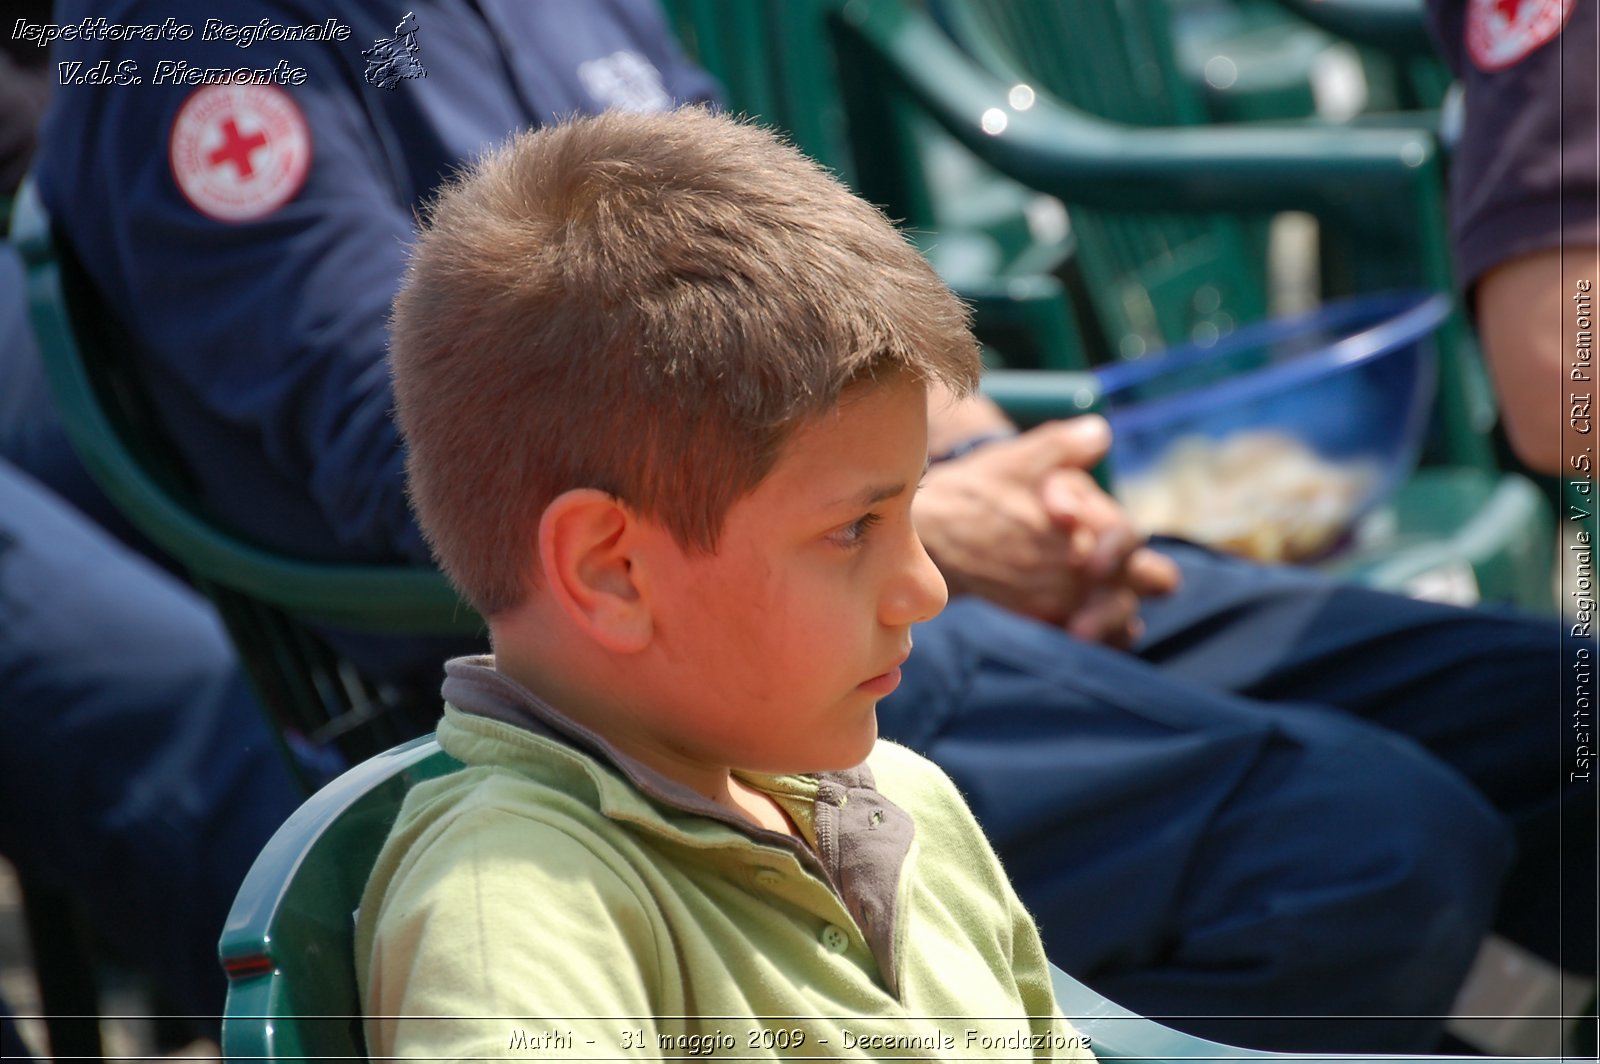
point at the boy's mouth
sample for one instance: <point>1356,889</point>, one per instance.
<point>885,682</point>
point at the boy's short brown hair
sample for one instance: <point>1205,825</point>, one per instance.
<point>646,304</point>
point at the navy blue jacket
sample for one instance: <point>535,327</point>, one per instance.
<point>262,340</point>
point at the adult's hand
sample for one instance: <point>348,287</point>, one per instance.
<point>1022,523</point>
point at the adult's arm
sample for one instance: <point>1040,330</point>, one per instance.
<point>1532,314</point>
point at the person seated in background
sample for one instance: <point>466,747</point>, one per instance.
<point>138,776</point>
<point>1525,213</point>
<point>1290,784</point>
<point>664,386</point>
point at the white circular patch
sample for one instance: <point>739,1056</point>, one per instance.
<point>239,152</point>
<point>1501,32</point>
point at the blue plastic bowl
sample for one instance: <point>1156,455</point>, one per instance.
<point>1273,442</point>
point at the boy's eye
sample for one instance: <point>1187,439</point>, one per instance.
<point>855,533</point>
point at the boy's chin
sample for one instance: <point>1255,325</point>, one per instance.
<point>847,747</point>
<point>853,751</point>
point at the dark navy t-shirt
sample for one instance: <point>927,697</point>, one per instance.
<point>1524,173</point>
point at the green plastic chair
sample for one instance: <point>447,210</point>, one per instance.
<point>1159,277</point>
<point>289,943</point>
<point>858,83</point>
<point>776,62</point>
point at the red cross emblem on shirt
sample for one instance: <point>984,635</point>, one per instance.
<point>1501,33</point>
<point>239,152</point>
<point>237,148</point>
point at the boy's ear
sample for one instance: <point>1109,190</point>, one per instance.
<point>584,556</point>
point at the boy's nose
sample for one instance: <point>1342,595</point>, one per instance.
<point>919,591</point>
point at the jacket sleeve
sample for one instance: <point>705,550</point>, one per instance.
<point>274,325</point>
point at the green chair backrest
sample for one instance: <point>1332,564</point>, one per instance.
<point>269,601</point>
<point>1158,279</point>
<point>288,946</point>
<point>776,62</point>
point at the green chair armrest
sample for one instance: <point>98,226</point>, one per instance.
<point>1089,161</point>
<point>1030,397</point>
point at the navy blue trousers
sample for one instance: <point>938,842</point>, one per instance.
<point>136,772</point>
<point>1295,799</point>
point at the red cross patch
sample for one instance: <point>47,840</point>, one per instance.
<point>239,152</point>
<point>1500,33</point>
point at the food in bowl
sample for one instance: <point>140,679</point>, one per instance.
<point>1274,442</point>
<point>1258,494</point>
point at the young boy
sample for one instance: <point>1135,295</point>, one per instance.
<point>664,386</point>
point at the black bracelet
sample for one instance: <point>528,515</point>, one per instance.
<point>972,443</point>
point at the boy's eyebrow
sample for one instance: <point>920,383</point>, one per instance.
<point>874,494</point>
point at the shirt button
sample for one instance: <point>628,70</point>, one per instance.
<point>834,939</point>
<point>768,877</point>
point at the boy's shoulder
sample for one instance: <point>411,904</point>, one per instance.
<point>514,778</point>
<point>522,817</point>
<point>906,777</point>
<point>505,807</point>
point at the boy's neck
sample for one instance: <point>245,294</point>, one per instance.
<point>608,719</point>
<point>760,808</point>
